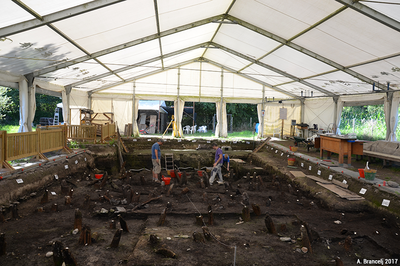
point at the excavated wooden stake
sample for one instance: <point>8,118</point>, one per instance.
<point>254,176</point>
<point>246,214</point>
<point>259,178</point>
<point>2,219</point>
<point>256,209</point>
<point>116,238</point>
<point>57,253</point>
<point>104,181</point>
<point>136,197</point>
<point>71,192</point>
<point>67,200</point>
<point>86,236</point>
<point>163,216</point>
<point>197,237</point>
<point>68,258</point>
<point>64,187</point>
<point>338,262</point>
<point>129,194</point>
<point>270,225</point>
<point>305,241</point>
<point>45,197</point>
<point>142,181</point>
<point>206,179</point>
<point>231,174</point>
<point>202,184</point>
<point>78,220</point>
<point>308,231</point>
<point>113,224</point>
<point>184,178</point>
<point>54,207</point>
<point>122,222</point>
<point>170,190</point>
<point>3,244</point>
<point>248,176</point>
<point>153,240</point>
<point>185,191</point>
<point>348,243</point>
<point>199,220</point>
<point>206,233</point>
<point>210,216</point>
<point>14,210</point>
<point>166,252</point>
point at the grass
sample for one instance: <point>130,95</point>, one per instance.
<point>9,128</point>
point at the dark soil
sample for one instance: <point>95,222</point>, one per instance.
<point>373,235</point>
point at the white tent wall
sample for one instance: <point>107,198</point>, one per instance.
<point>271,117</point>
<point>122,113</point>
<point>319,111</point>
<point>77,100</point>
<point>23,105</point>
<point>31,105</point>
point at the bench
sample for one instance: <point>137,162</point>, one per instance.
<point>384,156</point>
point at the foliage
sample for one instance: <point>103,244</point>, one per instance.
<point>9,128</point>
<point>367,122</point>
<point>45,106</point>
<point>241,113</point>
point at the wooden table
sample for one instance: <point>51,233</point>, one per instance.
<point>341,145</point>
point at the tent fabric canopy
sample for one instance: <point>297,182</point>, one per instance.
<point>251,50</point>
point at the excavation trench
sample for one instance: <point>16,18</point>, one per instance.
<point>336,228</point>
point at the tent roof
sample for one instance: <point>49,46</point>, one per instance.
<point>160,49</point>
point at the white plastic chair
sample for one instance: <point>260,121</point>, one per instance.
<point>202,129</point>
<point>186,129</point>
<point>277,131</point>
<point>193,129</point>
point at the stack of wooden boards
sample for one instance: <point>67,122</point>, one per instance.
<point>335,186</point>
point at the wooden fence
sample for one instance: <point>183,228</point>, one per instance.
<point>16,146</point>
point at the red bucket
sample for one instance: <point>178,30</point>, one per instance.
<point>200,173</point>
<point>172,174</point>
<point>361,172</point>
<point>180,175</point>
<point>166,180</point>
<point>98,176</point>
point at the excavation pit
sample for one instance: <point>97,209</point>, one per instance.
<point>133,196</point>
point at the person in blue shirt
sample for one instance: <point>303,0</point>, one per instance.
<point>225,158</point>
<point>156,159</point>
<point>217,164</point>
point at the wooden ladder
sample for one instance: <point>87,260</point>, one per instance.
<point>262,145</point>
<point>169,161</point>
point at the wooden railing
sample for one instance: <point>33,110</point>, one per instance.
<point>82,132</point>
<point>107,131</point>
<point>16,146</point>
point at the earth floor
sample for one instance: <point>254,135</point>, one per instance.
<point>234,242</point>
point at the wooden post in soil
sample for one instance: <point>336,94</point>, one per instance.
<point>2,219</point>
<point>153,240</point>
<point>199,220</point>
<point>136,197</point>
<point>68,258</point>
<point>170,190</point>
<point>163,216</point>
<point>86,236</point>
<point>210,216</point>
<point>185,190</point>
<point>67,200</point>
<point>122,222</point>
<point>338,261</point>
<point>57,253</point>
<point>14,210</point>
<point>45,197</point>
<point>256,209</point>
<point>270,225</point>
<point>308,231</point>
<point>71,192</point>
<point>54,207</point>
<point>348,243</point>
<point>206,233</point>
<point>64,188</point>
<point>246,214</point>
<point>202,184</point>
<point>142,180</point>
<point>3,244</point>
<point>206,179</point>
<point>197,237</point>
<point>113,224</point>
<point>184,178</point>
<point>78,220</point>
<point>104,181</point>
<point>259,178</point>
<point>305,241</point>
<point>116,238</point>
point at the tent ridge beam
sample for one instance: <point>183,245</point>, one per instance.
<point>54,17</point>
<point>125,45</point>
<point>303,50</point>
<point>371,13</point>
<point>274,69</point>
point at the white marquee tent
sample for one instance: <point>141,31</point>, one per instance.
<point>315,56</point>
